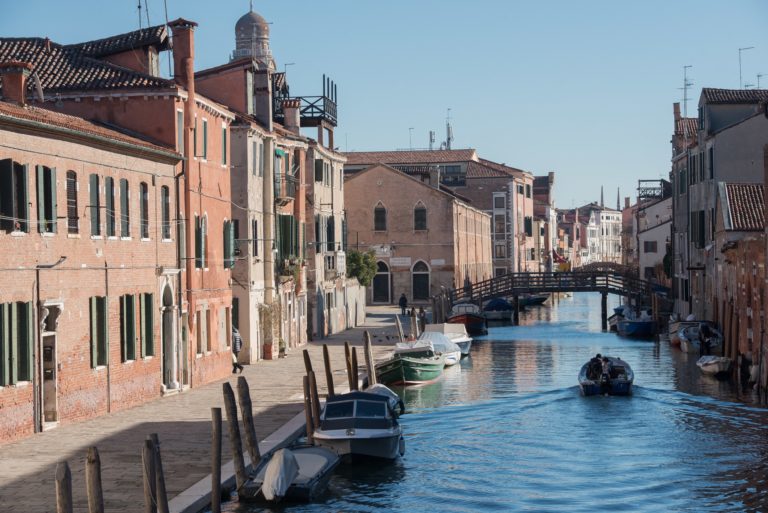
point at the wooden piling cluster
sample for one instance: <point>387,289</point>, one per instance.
<point>155,496</point>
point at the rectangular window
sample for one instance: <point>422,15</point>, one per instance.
<point>14,197</point>
<point>527,190</point>
<point>208,334</point>
<point>125,214</point>
<point>711,162</point>
<point>46,199</point>
<point>205,139</point>
<point>72,217</point>
<point>201,331</point>
<point>165,204</point>
<point>683,181</point>
<point>201,233</point>
<point>147,326</point>
<point>144,209</point>
<point>499,223</point>
<point>379,219</point>
<point>180,131</point>
<point>499,202</point>
<point>109,200</point>
<point>528,224</point>
<point>650,246</point>
<point>255,237</point>
<point>453,176</point>
<point>318,170</point>
<point>194,139</point>
<point>127,327</point>
<point>16,342</point>
<point>330,234</point>
<point>99,331</point>
<point>520,189</point>
<point>500,251</point>
<point>224,145</point>
<point>420,218</point>
<point>702,228</point>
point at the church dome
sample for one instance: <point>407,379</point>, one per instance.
<point>252,23</point>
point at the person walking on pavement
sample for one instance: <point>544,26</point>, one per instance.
<point>422,315</point>
<point>403,302</point>
<point>237,346</point>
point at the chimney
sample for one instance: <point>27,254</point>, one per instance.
<point>626,202</point>
<point>676,110</point>
<point>434,176</point>
<point>184,53</point>
<point>291,110</point>
<point>263,97</point>
<point>14,75</point>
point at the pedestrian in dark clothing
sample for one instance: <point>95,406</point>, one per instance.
<point>237,346</point>
<point>704,335</point>
<point>403,302</point>
<point>422,319</point>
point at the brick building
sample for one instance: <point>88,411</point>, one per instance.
<point>425,237</point>
<point>88,307</point>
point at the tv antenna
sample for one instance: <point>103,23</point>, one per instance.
<point>686,84</point>
<point>759,76</point>
<point>744,49</point>
<point>448,130</point>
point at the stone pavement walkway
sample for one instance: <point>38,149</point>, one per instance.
<point>183,424</point>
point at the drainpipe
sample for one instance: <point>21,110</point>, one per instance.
<point>109,368</point>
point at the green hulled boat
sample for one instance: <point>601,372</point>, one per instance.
<point>410,368</point>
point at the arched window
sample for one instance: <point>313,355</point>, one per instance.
<point>72,202</point>
<point>379,218</point>
<point>420,217</point>
<point>420,280</point>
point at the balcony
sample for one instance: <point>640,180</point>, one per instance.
<point>313,110</point>
<point>285,188</point>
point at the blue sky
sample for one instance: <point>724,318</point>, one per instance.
<point>582,88</point>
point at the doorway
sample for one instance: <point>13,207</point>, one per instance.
<point>170,362</point>
<point>381,284</point>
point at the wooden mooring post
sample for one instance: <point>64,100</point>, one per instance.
<point>348,361</point>
<point>63,488</point>
<point>399,329</point>
<point>246,410</point>
<point>93,481</point>
<point>328,371</point>
<point>315,398</point>
<point>308,412</point>
<point>604,311</point>
<point>516,316</point>
<point>307,362</point>
<point>369,358</point>
<point>234,436</point>
<point>215,460</point>
<point>150,483</point>
<point>354,385</point>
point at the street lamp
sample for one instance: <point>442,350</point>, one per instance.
<point>741,85</point>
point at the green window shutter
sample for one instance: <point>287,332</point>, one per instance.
<point>6,195</point>
<point>123,331</point>
<point>24,207</point>
<point>94,332</point>
<point>104,332</point>
<point>54,203</point>
<point>93,185</point>
<point>29,362</point>
<point>227,254</point>
<point>143,325</point>
<point>130,302</point>
<point>318,170</point>
<point>14,346</point>
<point>5,342</point>
<point>204,241</point>
<point>198,244</point>
<point>224,145</point>
<point>279,238</point>
<point>304,241</point>
<point>230,235</point>
<point>109,202</point>
<point>40,175</point>
<point>149,320</point>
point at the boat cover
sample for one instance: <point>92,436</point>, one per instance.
<point>437,341</point>
<point>281,470</point>
<point>498,304</point>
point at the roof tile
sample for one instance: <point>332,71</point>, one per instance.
<point>151,36</point>
<point>712,95</point>
<point>410,157</point>
<point>746,205</point>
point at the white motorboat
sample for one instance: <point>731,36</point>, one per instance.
<point>456,332</point>
<point>395,403</point>
<point>360,424</point>
<point>714,364</point>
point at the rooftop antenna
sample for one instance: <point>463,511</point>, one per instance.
<point>431,139</point>
<point>146,10</point>
<point>139,14</point>
<point>410,138</point>
<point>448,131</point>
<point>744,49</point>
<point>759,76</point>
<point>686,84</point>
<point>251,5</point>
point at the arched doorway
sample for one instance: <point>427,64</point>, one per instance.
<point>381,285</point>
<point>420,281</point>
<point>169,364</point>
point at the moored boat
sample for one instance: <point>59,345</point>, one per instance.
<point>532,300</point>
<point>402,369</point>
<point>636,328</point>
<point>298,474</point>
<point>675,325</point>
<point>432,342</point>
<point>457,332</point>
<point>619,380</point>
<point>714,364</point>
<point>360,424</point>
<point>470,316</point>
<point>690,341</point>
<point>498,309</point>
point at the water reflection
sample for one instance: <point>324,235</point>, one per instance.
<point>507,430</point>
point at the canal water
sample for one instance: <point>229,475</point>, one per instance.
<point>507,430</point>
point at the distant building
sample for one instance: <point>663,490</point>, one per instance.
<point>425,238</point>
<point>654,230</point>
